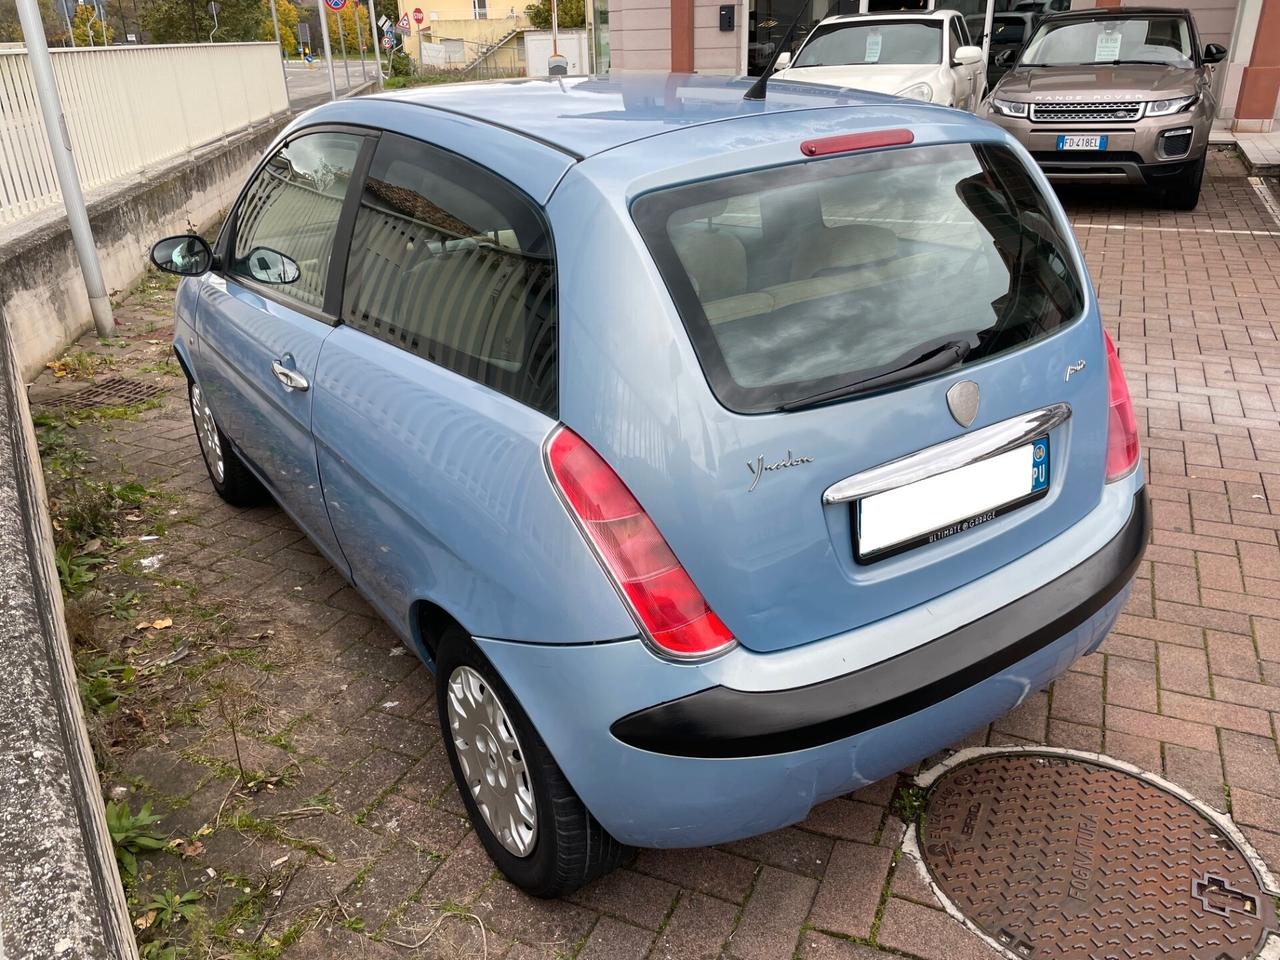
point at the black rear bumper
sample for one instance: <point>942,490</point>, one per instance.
<point>719,722</point>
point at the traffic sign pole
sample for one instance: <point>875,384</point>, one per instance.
<point>342,44</point>
<point>328,53</point>
<point>373,29</point>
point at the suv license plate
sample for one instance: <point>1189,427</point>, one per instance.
<point>1091,142</point>
<point>941,506</point>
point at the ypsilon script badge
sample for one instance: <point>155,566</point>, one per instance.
<point>962,401</point>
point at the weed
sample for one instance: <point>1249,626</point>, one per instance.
<point>131,835</point>
<point>75,569</point>
<point>79,365</point>
<point>167,909</point>
<point>121,608</point>
<point>168,368</point>
<point>908,803</point>
<point>102,683</point>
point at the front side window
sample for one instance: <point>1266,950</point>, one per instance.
<point>287,221</point>
<point>811,277</point>
<point>890,42</point>
<point>451,263</point>
<point>1148,39</point>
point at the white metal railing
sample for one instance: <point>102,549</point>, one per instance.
<point>128,108</point>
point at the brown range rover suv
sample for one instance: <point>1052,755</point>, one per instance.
<point>1114,95</point>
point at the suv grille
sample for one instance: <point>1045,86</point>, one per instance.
<point>1096,111</point>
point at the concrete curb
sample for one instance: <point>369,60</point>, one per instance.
<point>61,892</point>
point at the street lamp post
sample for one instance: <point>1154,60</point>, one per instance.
<point>342,44</point>
<point>64,162</point>
<point>373,30</point>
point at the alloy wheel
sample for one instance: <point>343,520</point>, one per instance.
<point>492,761</point>
<point>207,430</point>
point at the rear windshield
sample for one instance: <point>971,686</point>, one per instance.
<point>842,44</point>
<point>801,279</point>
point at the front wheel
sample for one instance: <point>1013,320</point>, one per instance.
<point>231,479</point>
<point>1184,192</point>
<point>530,820</point>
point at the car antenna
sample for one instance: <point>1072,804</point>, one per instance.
<point>761,86</point>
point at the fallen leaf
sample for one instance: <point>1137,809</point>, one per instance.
<point>90,546</point>
<point>192,849</point>
<point>145,920</point>
<point>162,624</point>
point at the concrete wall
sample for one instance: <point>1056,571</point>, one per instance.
<point>60,893</point>
<point>41,290</point>
<point>716,50</point>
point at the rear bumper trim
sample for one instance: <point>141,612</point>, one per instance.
<point>720,722</point>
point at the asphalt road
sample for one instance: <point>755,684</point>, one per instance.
<point>310,84</point>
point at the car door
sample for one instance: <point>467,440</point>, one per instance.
<point>267,311</point>
<point>434,396</point>
<point>968,88</point>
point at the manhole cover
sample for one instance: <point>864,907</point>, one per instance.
<point>112,392</point>
<point>1059,857</point>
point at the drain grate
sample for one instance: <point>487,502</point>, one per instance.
<point>1056,857</point>
<point>112,392</point>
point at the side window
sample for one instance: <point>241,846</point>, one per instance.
<point>287,221</point>
<point>958,37</point>
<point>451,263</point>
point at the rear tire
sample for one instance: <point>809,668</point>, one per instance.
<point>565,847</point>
<point>231,479</point>
<point>1184,192</point>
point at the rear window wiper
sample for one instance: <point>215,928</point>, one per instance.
<point>932,357</point>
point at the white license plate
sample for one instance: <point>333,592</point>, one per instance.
<point>1091,142</point>
<point>941,506</point>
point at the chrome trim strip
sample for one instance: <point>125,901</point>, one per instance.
<point>950,455</point>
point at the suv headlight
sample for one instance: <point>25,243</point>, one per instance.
<point>1010,108</point>
<point>1162,108</point>
<point>917,91</point>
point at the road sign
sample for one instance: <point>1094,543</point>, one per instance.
<point>304,32</point>
<point>402,25</point>
<point>386,43</point>
<point>417,15</point>
<point>335,5</point>
<point>384,23</point>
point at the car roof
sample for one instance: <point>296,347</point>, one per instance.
<point>1121,13</point>
<point>890,15</point>
<point>582,116</point>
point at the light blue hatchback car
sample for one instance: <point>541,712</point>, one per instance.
<point>718,456</point>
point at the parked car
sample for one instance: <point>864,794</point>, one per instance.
<point>1009,31</point>
<point>924,56</point>
<point>718,457</point>
<point>1114,95</point>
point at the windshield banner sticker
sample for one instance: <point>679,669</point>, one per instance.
<point>1108,48</point>
<point>873,48</point>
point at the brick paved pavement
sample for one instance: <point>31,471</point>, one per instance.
<point>352,842</point>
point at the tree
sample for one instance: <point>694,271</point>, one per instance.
<point>89,29</point>
<point>189,21</point>
<point>287,14</point>
<point>570,13</point>
<point>55,24</point>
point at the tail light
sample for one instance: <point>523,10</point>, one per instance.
<point>1122,425</point>
<point>664,600</point>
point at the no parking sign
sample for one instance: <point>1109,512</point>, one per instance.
<point>335,5</point>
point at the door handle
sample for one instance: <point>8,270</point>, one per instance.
<point>291,379</point>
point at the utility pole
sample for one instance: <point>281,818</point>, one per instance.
<point>328,54</point>
<point>64,162</point>
<point>71,34</point>
<point>213,9</point>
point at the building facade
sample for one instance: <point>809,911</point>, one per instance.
<point>708,36</point>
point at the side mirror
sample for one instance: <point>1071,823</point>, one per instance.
<point>967,55</point>
<point>784,60</point>
<point>187,256</point>
<point>271,266</point>
<point>1214,53</point>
